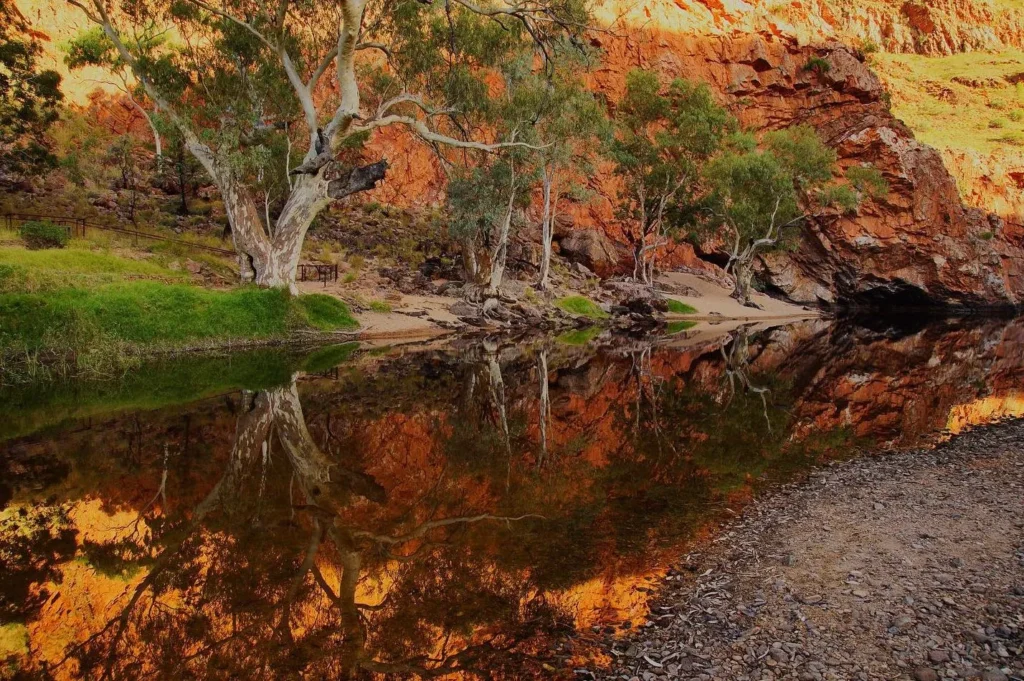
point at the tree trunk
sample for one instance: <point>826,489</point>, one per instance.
<point>499,254</point>
<point>546,230</point>
<point>743,273</point>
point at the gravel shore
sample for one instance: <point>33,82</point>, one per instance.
<point>899,566</point>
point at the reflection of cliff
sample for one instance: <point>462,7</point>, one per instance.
<point>896,390</point>
<point>409,516</point>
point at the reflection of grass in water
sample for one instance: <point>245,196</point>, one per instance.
<point>679,307</point>
<point>31,407</point>
<point>676,327</point>
<point>580,336</point>
<point>327,358</point>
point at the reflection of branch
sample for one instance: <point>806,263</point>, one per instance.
<point>737,365</point>
<point>434,524</point>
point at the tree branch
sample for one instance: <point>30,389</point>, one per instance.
<point>357,180</point>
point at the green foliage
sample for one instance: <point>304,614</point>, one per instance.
<point>867,180</point>
<point>35,271</point>
<point>679,307</point>
<point>760,195</point>
<point>30,97</point>
<point>662,140</point>
<point>817,65</point>
<point>868,46</point>
<point>581,306</point>
<point>986,236</point>
<point>1013,138</point>
<point>326,312</point>
<point>39,235</point>
<point>381,306</point>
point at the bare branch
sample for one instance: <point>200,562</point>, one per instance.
<point>421,129</point>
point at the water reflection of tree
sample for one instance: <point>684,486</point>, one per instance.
<point>255,592</point>
<point>292,559</point>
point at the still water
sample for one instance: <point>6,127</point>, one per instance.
<point>472,509</point>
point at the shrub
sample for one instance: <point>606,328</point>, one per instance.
<point>987,236</point>
<point>1017,115</point>
<point>868,46</point>
<point>1014,138</point>
<point>997,123</point>
<point>381,306</point>
<point>817,65</point>
<point>44,234</point>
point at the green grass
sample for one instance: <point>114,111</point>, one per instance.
<point>677,327</point>
<point>580,336</point>
<point>105,330</point>
<point>380,306</point>
<point>979,111</point>
<point>679,307</point>
<point>326,313</point>
<point>49,270</point>
<point>578,305</point>
<point>145,312</point>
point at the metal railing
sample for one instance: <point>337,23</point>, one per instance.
<point>78,227</point>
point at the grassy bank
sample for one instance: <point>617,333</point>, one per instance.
<point>79,310</point>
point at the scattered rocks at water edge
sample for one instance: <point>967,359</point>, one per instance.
<point>900,566</point>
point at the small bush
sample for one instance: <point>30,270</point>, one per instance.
<point>997,123</point>
<point>380,306</point>
<point>1013,138</point>
<point>578,305</point>
<point>868,46</point>
<point>43,234</point>
<point>1017,115</point>
<point>987,236</point>
<point>817,65</point>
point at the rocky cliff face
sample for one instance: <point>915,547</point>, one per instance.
<point>918,245</point>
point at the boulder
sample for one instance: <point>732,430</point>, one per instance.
<point>592,249</point>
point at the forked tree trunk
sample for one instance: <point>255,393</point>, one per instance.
<point>272,261</point>
<point>742,273</point>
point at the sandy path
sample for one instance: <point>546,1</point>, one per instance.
<point>713,300</point>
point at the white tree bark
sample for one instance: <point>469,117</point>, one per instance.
<point>546,230</point>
